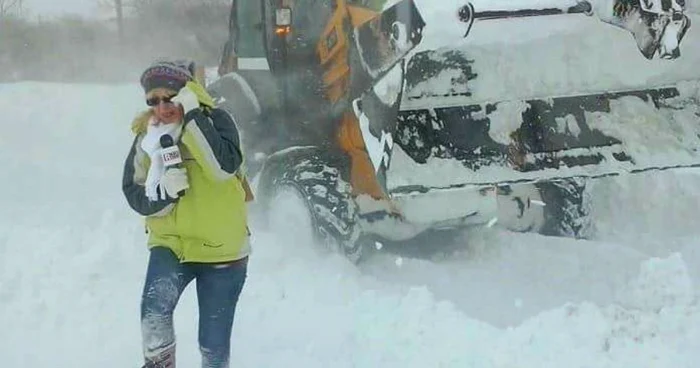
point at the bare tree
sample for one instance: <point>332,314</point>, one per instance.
<point>8,7</point>
<point>118,6</point>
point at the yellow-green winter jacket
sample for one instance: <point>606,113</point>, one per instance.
<point>209,223</point>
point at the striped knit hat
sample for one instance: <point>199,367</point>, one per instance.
<point>170,74</point>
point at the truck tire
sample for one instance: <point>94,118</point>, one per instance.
<point>567,210</point>
<point>317,175</point>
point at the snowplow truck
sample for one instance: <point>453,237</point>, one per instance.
<point>391,119</point>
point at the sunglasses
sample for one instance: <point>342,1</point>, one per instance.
<point>155,101</point>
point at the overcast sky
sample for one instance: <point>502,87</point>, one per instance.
<point>86,8</point>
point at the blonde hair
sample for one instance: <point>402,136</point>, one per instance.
<point>140,123</point>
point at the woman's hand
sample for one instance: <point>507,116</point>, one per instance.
<point>191,96</point>
<point>187,100</point>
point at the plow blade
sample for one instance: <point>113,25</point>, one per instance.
<point>520,141</point>
<point>517,136</point>
<point>533,162</point>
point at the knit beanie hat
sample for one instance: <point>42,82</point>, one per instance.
<point>170,74</point>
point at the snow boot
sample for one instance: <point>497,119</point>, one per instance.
<point>164,359</point>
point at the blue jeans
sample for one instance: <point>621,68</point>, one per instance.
<point>218,289</point>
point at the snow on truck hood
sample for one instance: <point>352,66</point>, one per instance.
<point>542,56</point>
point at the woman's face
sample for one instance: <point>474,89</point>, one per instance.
<point>164,110</point>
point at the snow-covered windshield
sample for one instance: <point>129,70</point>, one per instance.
<point>251,29</point>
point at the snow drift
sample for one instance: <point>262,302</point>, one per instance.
<point>73,258</point>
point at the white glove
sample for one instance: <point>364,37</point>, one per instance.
<point>172,182</point>
<point>187,99</point>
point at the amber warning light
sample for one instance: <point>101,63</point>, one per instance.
<point>284,30</point>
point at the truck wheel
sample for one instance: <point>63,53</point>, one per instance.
<point>315,175</point>
<point>567,210</point>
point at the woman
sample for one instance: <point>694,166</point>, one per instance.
<point>195,213</point>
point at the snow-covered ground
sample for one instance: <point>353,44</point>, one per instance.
<point>72,258</point>
<point>72,261</point>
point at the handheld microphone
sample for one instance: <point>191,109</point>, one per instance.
<point>170,154</point>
